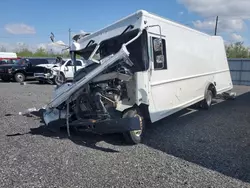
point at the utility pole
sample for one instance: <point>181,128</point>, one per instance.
<point>216,25</point>
<point>74,62</point>
<point>69,37</point>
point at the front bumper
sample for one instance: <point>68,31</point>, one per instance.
<point>120,125</point>
<point>56,119</point>
<point>43,75</point>
<point>6,75</point>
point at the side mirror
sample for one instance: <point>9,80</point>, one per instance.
<point>157,45</point>
<point>66,68</point>
<point>29,64</point>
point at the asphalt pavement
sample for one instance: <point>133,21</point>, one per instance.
<point>193,148</point>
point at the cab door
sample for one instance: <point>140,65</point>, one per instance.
<point>69,68</point>
<point>158,76</point>
<point>32,66</point>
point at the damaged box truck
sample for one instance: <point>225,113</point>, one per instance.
<point>142,67</point>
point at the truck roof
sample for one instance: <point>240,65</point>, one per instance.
<point>118,27</point>
<point>169,21</point>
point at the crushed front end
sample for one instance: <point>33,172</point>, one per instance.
<point>90,102</point>
<point>102,91</point>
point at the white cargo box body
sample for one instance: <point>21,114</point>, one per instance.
<point>194,60</point>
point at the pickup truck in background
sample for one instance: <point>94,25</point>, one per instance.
<point>58,72</point>
<point>22,69</point>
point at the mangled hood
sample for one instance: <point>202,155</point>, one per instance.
<point>64,93</point>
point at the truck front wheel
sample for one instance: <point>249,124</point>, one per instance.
<point>19,77</point>
<point>59,79</point>
<point>134,137</point>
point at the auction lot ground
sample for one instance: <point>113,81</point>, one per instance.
<point>190,149</point>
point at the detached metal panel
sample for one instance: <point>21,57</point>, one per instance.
<point>240,71</point>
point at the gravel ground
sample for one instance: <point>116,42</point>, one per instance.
<point>190,149</point>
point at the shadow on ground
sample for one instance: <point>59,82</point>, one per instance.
<point>218,139</point>
<point>86,139</point>
<point>83,138</point>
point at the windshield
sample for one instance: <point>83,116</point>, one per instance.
<point>84,71</point>
<point>107,47</point>
<point>20,62</point>
<point>58,61</point>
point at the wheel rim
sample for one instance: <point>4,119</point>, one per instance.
<point>59,79</point>
<point>20,77</point>
<point>138,132</point>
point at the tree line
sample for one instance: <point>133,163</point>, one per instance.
<point>40,52</point>
<point>235,50</point>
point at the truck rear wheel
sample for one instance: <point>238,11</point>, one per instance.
<point>134,137</point>
<point>19,77</point>
<point>207,102</point>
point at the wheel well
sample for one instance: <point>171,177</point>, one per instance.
<point>143,108</point>
<point>62,73</point>
<point>19,71</point>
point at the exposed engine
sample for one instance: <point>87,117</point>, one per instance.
<point>98,99</point>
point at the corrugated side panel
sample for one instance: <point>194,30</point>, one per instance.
<point>240,71</point>
<point>234,64</point>
<point>235,75</point>
<point>246,65</point>
<point>245,83</point>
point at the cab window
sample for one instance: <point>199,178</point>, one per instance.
<point>159,57</point>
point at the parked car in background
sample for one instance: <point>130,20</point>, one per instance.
<point>22,69</point>
<point>58,72</point>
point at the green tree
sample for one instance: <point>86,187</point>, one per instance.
<point>24,53</point>
<point>237,50</point>
<point>40,52</point>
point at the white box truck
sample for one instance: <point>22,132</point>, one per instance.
<point>143,67</point>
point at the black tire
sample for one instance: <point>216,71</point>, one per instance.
<point>19,77</point>
<point>59,80</point>
<point>207,102</point>
<point>134,137</point>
